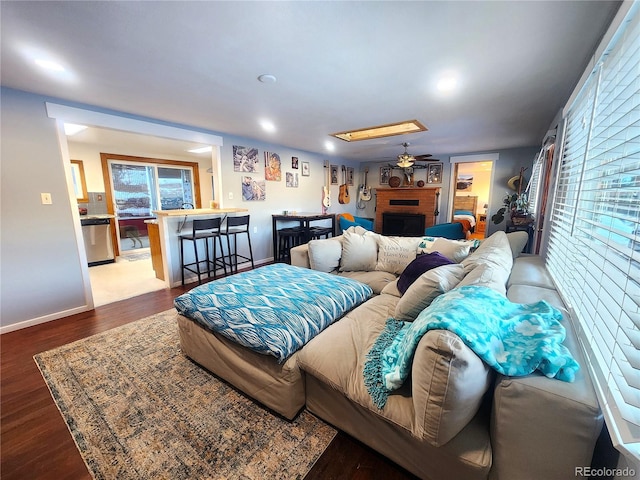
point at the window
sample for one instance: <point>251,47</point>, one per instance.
<point>137,186</point>
<point>594,229</point>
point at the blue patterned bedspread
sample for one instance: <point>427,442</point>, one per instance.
<point>514,339</point>
<point>275,309</point>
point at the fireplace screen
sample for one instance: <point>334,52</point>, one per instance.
<point>403,224</point>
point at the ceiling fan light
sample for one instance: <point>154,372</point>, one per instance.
<point>405,159</point>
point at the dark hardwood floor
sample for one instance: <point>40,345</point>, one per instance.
<point>35,442</point>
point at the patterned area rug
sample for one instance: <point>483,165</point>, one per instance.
<point>138,408</point>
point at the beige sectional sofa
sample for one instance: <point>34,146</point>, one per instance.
<point>454,418</point>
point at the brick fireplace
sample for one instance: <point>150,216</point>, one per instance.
<point>408,201</point>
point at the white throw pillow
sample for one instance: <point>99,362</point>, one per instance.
<point>426,288</point>
<point>359,252</point>
<point>395,253</point>
<point>455,250</point>
<point>324,255</point>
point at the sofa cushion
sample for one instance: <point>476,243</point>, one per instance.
<point>338,355</point>
<point>377,280</point>
<point>456,250</point>
<point>359,252</point>
<point>448,387</point>
<point>517,241</point>
<point>391,289</point>
<point>325,254</point>
<point>426,288</point>
<point>530,270</point>
<point>395,253</point>
<point>495,252</point>
<point>420,265</point>
<point>486,276</point>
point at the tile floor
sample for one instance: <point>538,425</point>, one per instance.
<point>126,278</point>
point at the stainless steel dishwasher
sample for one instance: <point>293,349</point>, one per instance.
<point>97,240</point>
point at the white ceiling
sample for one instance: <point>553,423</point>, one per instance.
<point>340,65</point>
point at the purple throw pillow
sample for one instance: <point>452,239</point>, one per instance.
<point>420,265</point>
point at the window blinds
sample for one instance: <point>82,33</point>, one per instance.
<point>594,238</point>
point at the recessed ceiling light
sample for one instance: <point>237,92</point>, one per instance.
<point>400,128</point>
<point>49,65</point>
<point>447,83</point>
<point>267,125</point>
<point>267,78</point>
<point>329,146</point>
<point>72,128</point>
<point>200,149</point>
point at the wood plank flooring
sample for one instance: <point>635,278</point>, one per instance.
<point>35,442</point>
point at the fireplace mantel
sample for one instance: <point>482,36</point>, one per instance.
<point>406,200</point>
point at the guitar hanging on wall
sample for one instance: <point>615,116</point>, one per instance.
<point>343,196</point>
<point>364,195</point>
<point>326,192</point>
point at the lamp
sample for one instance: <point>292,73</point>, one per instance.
<point>405,159</point>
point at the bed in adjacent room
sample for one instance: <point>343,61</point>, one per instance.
<point>247,328</point>
<point>464,208</point>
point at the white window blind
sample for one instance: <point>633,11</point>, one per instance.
<point>594,238</point>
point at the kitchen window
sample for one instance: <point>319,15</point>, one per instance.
<point>137,186</point>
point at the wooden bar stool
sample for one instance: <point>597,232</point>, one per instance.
<point>234,227</point>
<point>289,238</point>
<point>203,230</point>
<point>319,232</point>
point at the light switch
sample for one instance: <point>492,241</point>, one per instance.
<point>230,195</point>
<point>46,198</point>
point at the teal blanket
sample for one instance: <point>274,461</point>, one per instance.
<point>512,338</point>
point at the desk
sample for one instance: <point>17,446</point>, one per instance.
<point>511,227</point>
<point>304,220</point>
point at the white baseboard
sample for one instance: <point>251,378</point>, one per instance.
<point>44,319</point>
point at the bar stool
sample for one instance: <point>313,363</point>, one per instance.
<point>235,226</point>
<point>287,239</point>
<point>203,230</point>
<point>318,232</point>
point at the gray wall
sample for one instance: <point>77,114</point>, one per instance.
<point>41,272</point>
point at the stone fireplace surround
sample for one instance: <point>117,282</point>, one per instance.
<point>405,200</point>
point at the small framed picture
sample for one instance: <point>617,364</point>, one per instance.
<point>294,163</point>
<point>334,174</point>
<point>350,175</point>
<point>434,173</point>
<point>306,171</point>
<point>385,174</point>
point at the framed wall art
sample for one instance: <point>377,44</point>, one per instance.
<point>385,174</point>
<point>434,173</point>
<point>306,170</point>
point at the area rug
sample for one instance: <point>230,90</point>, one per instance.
<point>137,408</point>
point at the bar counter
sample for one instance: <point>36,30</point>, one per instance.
<point>170,224</point>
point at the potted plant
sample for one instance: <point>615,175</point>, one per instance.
<point>517,206</point>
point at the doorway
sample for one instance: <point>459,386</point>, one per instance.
<point>472,179</point>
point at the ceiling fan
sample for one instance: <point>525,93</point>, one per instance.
<point>406,160</point>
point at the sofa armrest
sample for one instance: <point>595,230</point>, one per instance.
<point>300,256</point>
<point>543,427</point>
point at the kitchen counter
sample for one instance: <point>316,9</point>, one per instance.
<point>197,211</point>
<point>97,216</point>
